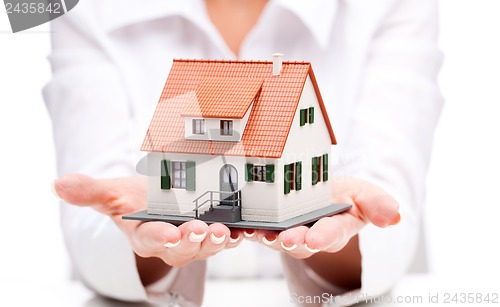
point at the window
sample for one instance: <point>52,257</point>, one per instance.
<point>259,173</point>
<point>293,177</point>
<point>179,175</point>
<point>226,127</point>
<point>319,169</point>
<point>198,126</point>
<point>307,116</point>
<point>262,173</point>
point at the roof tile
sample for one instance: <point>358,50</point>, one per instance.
<point>226,89</point>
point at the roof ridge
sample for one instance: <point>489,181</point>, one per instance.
<point>239,61</point>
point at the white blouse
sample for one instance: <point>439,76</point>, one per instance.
<point>375,62</point>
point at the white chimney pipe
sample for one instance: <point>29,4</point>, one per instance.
<point>277,63</point>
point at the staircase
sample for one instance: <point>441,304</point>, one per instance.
<point>227,209</point>
<point>222,213</point>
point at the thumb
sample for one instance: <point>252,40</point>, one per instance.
<point>83,190</point>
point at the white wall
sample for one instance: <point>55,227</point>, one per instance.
<point>29,223</point>
<point>303,143</point>
<point>463,206</point>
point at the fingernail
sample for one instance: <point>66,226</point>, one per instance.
<point>231,240</point>
<point>398,220</point>
<point>288,248</point>
<point>248,235</point>
<point>269,243</point>
<point>195,238</point>
<point>171,245</point>
<point>53,188</point>
<point>311,250</point>
<point>217,240</point>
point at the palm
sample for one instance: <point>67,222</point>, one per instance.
<point>176,246</point>
<point>370,204</point>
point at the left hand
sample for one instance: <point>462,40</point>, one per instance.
<point>370,204</point>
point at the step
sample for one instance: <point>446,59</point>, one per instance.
<point>222,213</point>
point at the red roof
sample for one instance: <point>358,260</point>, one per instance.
<point>237,84</point>
<point>223,97</point>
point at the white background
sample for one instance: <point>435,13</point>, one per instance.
<point>462,204</point>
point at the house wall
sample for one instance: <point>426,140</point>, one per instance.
<point>304,143</point>
<point>269,203</point>
<point>256,196</point>
<point>261,201</point>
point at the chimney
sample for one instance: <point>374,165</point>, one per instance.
<point>277,63</point>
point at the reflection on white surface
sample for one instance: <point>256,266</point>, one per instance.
<point>418,290</point>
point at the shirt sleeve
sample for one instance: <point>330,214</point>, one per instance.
<point>91,115</point>
<point>391,136</point>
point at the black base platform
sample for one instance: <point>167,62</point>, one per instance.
<point>296,221</point>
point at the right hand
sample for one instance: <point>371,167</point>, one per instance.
<point>176,246</point>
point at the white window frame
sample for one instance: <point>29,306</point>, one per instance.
<point>179,178</point>
<point>198,126</point>
<point>226,127</point>
<point>259,173</point>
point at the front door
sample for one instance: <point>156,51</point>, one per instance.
<point>228,183</point>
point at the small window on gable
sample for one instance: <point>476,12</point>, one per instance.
<point>198,126</point>
<point>226,127</point>
<point>306,116</point>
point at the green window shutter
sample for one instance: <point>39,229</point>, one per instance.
<point>190,176</point>
<point>249,172</point>
<point>165,175</point>
<point>298,176</point>
<point>325,167</point>
<point>270,173</point>
<point>302,117</point>
<point>287,178</point>
<point>311,115</point>
<point>314,170</point>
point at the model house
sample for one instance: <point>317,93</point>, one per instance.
<point>239,140</point>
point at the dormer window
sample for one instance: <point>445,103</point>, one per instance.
<point>226,127</point>
<point>198,126</point>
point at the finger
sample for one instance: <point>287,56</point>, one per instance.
<point>269,238</point>
<point>193,233</point>
<point>235,238</point>
<point>292,241</point>
<point>372,204</point>
<point>250,234</point>
<point>103,194</point>
<point>332,233</point>
<point>218,236</point>
<point>153,238</point>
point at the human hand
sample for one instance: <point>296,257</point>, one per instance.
<point>176,246</point>
<point>370,204</point>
